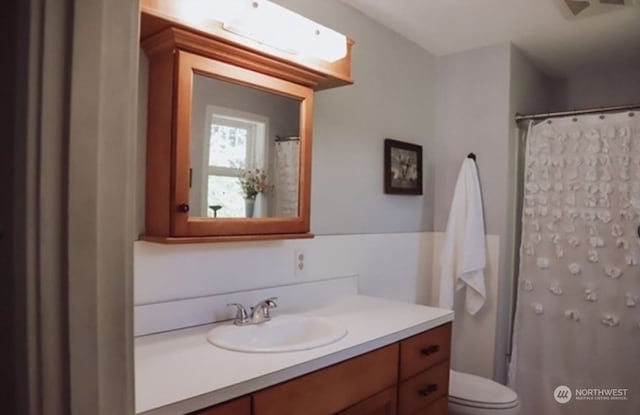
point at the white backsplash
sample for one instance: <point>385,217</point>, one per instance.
<point>158,317</point>
<point>185,285</point>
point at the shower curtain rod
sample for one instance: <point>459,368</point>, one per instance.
<point>520,117</point>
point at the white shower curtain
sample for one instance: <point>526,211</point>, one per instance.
<point>286,177</point>
<point>578,310</point>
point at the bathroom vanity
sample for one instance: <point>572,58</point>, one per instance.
<point>411,376</point>
<point>394,360</point>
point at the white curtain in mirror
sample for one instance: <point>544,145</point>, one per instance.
<point>285,177</point>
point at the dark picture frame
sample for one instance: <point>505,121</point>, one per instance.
<point>402,168</point>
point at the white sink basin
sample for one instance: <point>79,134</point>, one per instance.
<point>286,333</point>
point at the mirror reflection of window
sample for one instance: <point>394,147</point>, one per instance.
<point>235,142</point>
<point>233,130</point>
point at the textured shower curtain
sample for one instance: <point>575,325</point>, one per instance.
<point>578,309</point>
<point>286,177</point>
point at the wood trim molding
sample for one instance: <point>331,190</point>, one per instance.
<point>171,73</point>
<point>183,223</point>
<point>231,238</point>
<point>177,38</point>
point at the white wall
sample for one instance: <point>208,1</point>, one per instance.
<point>394,266</point>
<point>594,88</point>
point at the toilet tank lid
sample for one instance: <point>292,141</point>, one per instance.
<point>472,388</point>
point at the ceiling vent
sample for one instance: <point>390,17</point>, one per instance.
<point>573,9</point>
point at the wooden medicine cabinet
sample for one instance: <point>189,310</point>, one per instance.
<point>229,130</point>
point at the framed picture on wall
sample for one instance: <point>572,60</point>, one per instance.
<point>402,168</point>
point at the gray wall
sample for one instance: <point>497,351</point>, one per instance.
<point>529,93</point>
<point>479,91</point>
<point>393,97</point>
<point>597,88</point>
<point>473,116</point>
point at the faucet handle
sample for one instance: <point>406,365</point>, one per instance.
<point>242,317</point>
<point>261,312</point>
<point>270,302</point>
<point>267,304</point>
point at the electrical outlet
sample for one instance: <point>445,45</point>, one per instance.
<point>299,262</point>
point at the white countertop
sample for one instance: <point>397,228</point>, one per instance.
<point>180,371</point>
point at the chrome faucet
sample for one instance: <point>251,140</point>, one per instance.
<point>259,314</point>
<point>242,317</point>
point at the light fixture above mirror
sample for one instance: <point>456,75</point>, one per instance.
<point>267,23</point>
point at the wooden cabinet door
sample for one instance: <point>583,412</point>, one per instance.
<point>383,403</point>
<point>333,389</point>
<point>240,406</point>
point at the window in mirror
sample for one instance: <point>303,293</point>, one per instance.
<point>237,135</point>
<point>235,143</point>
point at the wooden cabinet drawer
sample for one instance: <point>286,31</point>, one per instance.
<point>439,407</point>
<point>240,406</point>
<point>419,391</point>
<point>420,352</point>
<point>333,389</point>
<point>384,403</point>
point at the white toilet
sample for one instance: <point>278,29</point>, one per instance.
<point>475,395</point>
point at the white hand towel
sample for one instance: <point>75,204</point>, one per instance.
<point>463,255</point>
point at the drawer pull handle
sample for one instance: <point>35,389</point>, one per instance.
<point>429,350</point>
<point>428,390</point>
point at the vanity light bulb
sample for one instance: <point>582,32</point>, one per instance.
<point>272,25</point>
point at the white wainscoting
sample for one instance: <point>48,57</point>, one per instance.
<point>474,337</point>
<point>184,285</point>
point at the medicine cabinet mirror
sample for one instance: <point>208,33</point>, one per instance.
<point>229,134</point>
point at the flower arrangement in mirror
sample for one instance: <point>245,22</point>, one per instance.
<point>254,181</point>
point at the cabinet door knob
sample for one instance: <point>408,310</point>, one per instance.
<point>428,390</point>
<point>429,350</point>
<point>184,208</point>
